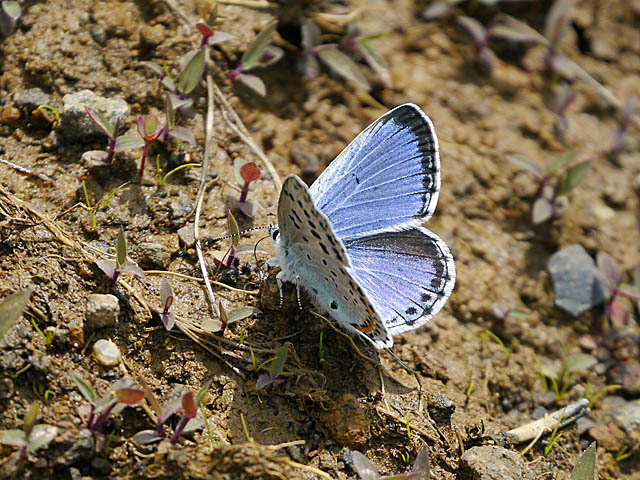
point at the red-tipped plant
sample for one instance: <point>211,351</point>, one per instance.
<point>245,172</point>
<point>149,129</point>
<point>122,264</point>
<point>167,296</point>
<point>617,308</point>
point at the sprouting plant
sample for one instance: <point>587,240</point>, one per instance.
<point>11,308</point>
<point>259,55</point>
<point>407,421</point>
<point>421,469</point>
<point>9,14</point>
<point>585,469</point>
<point>52,109</point>
<point>32,437</point>
<point>233,229</point>
<point>594,396</point>
<point>166,298</point>
<point>564,98</point>
<point>92,213</point>
<point>219,325</point>
<point>617,308</point>
<point>122,263</point>
<point>508,351</point>
<point>188,423</point>
<point>122,393</point>
<point>560,379</point>
<point>47,338</point>
<point>623,453</point>
<point>170,129</point>
<point>553,187</point>
<point>470,385</point>
<point>106,201</point>
<point>111,131</point>
<point>149,130</point>
<point>163,178</point>
<point>321,349</point>
<point>276,365</point>
<point>245,173</point>
<point>555,435</point>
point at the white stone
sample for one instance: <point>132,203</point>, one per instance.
<point>107,353</point>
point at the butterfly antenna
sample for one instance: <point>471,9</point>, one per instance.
<point>399,361</point>
<point>211,241</point>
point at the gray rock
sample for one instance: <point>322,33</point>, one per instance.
<point>625,413</point>
<point>491,462</point>
<point>98,34</point>
<point>627,374</point>
<point>75,447</point>
<point>102,311</point>
<point>577,283</point>
<point>75,124</point>
<point>32,98</point>
<point>153,255</point>
<point>180,208</point>
<point>107,353</point>
<point>185,234</point>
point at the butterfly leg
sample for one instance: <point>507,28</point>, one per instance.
<point>298,292</point>
<point>279,281</point>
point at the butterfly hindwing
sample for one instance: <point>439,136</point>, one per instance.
<point>389,175</point>
<point>408,274</point>
<point>308,248</point>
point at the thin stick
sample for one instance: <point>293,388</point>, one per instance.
<point>200,280</point>
<point>348,337</point>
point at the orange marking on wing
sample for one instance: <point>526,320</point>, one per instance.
<point>368,328</point>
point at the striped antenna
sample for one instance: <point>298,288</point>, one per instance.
<point>211,241</point>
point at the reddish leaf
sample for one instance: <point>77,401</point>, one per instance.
<point>130,395</point>
<point>189,405</point>
<point>250,172</point>
<point>204,29</point>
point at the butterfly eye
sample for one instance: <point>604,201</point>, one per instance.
<point>275,233</point>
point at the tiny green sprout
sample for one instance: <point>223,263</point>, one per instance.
<point>166,298</point>
<point>111,131</point>
<point>561,379</point>
<point>276,367</point>
<point>405,457</point>
<point>259,55</point>
<point>585,469</point>
<point>48,393</point>
<point>52,109</point>
<point>366,470</point>
<point>32,437</point>
<point>122,264</point>
<point>46,338</point>
<point>187,424</point>
<point>618,308</point>
<point>162,179</point>
<point>553,186</point>
<point>408,424</point>
<point>92,213</point>
<point>470,385</point>
<point>11,308</point>
<point>508,351</point>
<point>321,348</point>
<point>121,394</point>
<point>233,232</point>
<point>555,435</point>
<point>106,201</point>
<point>593,397</point>
<point>623,453</point>
<point>244,427</point>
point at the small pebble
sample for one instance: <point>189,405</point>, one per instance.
<point>491,462</point>
<point>107,353</point>
<point>10,115</point>
<point>102,311</point>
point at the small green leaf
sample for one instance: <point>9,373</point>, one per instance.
<point>11,308</point>
<point>12,9</point>
<point>102,122</point>
<point>145,437</point>
<point>526,164</point>
<point>85,389</point>
<point>253,82</point>
<point>203,391</point>
<point>254,52</point>
<point>276,367</point>
<point>170,112</point>
<point>574,177</point>
<point>375,61</point>
<point>232,227</point>
<point>155,67</point>
<point>192,73</point>
<point>585,469</point>
<point>561,162</point>
<point>579,362</point>
<point>344,66</point>
<point>310,35</point>
<point>128,142</point>
<point>240,313</point>
<point>542,211</point>
<point>121,248</point>
<point>514,34</point>
<point>364,467</point>
<point>41,436</point>
<point>30,417</point>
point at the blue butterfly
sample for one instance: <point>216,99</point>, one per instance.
<point>354,240</point>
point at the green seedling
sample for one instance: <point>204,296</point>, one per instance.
<point>408,425</point>
<point>122,393</point>
<point>32,437</point>
<point>47,394</point>
<point>593,397</point>
<point>553,186</point>
<point>585,469</point>
<point>218,326</point>
<point>149,130</point>
<point>166,298</point>
<point>189,423</point>
<point>618,308</point>
<point>11,308</point>
<point>259,55</point>
<point>52,109</point>
<point>470,385</point>
<point>623,453</point>
<point>92,213</point>
<point>47,338</point>
<point>268,381</point>
<point>561,379</point>
<point>9,14</point>
<point>244,427</point>
<point>555,435</point>
<point>508,351</point>
<point>106,201</point>
<point>233,229</point>
<point>163,178</point>
<point>122,264</point>
<point>421,469</point>
<point>321,349</point>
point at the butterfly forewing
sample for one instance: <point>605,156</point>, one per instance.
<point>388,176</point>
<point>309,249</point>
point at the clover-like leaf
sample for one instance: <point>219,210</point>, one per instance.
<point>277,365</point>
<point>192,73</point>
<point>102,122</point>
<point>146,437</point>
<point>375,61</point>
<point>344,66</point>
<point>252,55</point>
<point>253,82</point>
<point>574,176</point>
<point>128,142</point>
<point>363,466</point>
<point>11,308</point>
<point>586,466</point>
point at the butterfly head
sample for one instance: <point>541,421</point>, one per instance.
<point>274,232</point>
